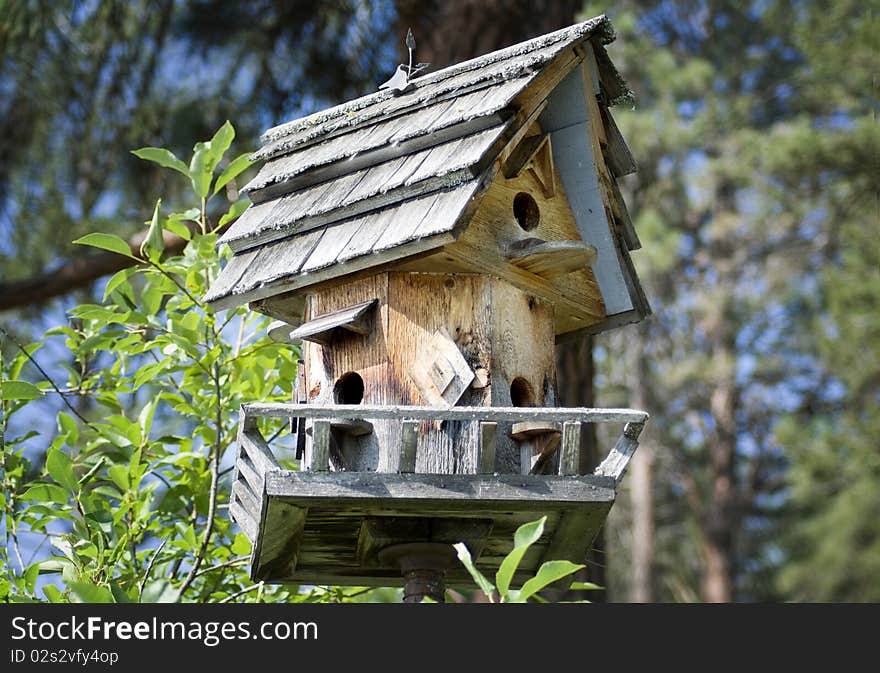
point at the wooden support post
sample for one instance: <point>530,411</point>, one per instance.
<point>569,457</point>
<point>486,457</point>
<point>423,566</point>
<point>409,446</point>
<point>320,445</point>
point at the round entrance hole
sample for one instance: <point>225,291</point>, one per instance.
<point>349,389</point>
<point>526,212</point>
<point>521,393</point>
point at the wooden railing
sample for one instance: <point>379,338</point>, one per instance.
<point>255,458</point>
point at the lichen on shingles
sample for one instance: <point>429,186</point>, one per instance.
<point>598,27</point>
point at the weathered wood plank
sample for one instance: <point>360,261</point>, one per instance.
<point>258,450</point>
<point>488,438</point>
<point>278,546</point>
<point>575,532</point>
<point>346,155</point>
<point>618,458</point>
<point>493,227</point>
<point>558,414</point>
<point>354,427</point>
<point>245,469</point>
<point>420,306</point>
<point>320,446</point>
<point>473,491</point>
<point>246,497</point>
<point>550,259</point>
<point>570,450</point>
<point>244,520</point>
<point>440,371</point>
<point>357,319</point>
<point>525,430</point>
<point>522,155</point>
<point>617,153</point>
<point>448,82</point>
<point>409,446</point>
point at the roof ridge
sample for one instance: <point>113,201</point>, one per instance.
<point>599,25</point>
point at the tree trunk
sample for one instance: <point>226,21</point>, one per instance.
<point>641,482</point>
<point>457,30</point>
<point>721,512</point>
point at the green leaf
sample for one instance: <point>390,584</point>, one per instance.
<point>68,426</point>
<point>118,279</point>
<point>45,493</point>
<point>179,228</point>
<point>585,586</point>
<point>235,210</point>
<point>154,244</point>
<point>200,170</point>
<point>145,417</point>
<point>241,545</point>
<point>106,242</point>
<point>19,390</point>
<point>53,594</point>
<point>464,556</point>
<point>160,591</point>
<point>218,145</point>
<point>60,468</point>
<point>88,592</point>
<point>525,536</point>
<point>119,475</point>
<point>233,170</point>
<point>549,572</point>
<point>163,157</point>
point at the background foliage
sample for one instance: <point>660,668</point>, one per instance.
<point>756,202</point>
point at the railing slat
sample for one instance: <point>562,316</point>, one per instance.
<point>496,414</point>
<point>409,446</point>
<point>570,451</point>
<point>321,445</point>
<point>486,458</point>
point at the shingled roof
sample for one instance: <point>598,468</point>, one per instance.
<point>390,175</point>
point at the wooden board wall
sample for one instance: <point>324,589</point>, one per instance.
<point>496,326</point>
<point>481,248</point>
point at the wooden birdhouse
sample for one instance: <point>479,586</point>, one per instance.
<point>427,245</point>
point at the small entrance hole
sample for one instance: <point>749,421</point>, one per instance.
<point>349,389</point>
<point>521,393</point>
<point>526,212</point>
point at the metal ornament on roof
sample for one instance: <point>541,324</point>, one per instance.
<point>400,81</point>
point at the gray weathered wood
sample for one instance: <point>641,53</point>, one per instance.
<point>258,451</point>
<point>440,371</point>
<point>522,155</point>
<point>246,470</point>
<point>525,430</point>
<point>617,153</point>
<point>277,548</point>
<point>618,458</point>
<point>550,259</point>
<point>486,457</point>
<point>246,497</point>
<point>355,427</point>
<point>320,445</point>
<point>449,82</point>
<point>279,331</point>
<point>482,492</point>
<point>409,446</point>
<point>570,449</point>
<point>374,411</point>
<point>245,521</point>
<point>357,319</point>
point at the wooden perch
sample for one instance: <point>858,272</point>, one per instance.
<point>550,259</point>
<point>320,330</point>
